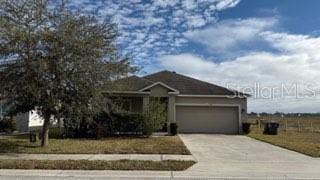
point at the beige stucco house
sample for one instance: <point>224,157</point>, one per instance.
<point>196,106</point>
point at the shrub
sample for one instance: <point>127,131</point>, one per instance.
<point>117,123</point>
<point>155,116</point>
<point>128,123</point>
<point>8,124</point>
<point>121,122</point>
<point>148,126</point>
<point>173,129</point>
<point>165,127</point>
<point>56,133</point>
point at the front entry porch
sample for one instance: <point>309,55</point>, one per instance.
<point>140,102</point>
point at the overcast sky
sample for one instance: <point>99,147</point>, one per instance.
<point>252,45</point>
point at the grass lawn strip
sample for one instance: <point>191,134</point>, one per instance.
<point>302,142</point>
<point>112,145</point>
<point>168,165</point>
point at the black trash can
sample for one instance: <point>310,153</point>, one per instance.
<point>271,128</point>
<point>173,129</point>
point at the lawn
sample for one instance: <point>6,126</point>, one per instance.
<point>304,142</point>
<point>96,165</point>
<point>112,145</point>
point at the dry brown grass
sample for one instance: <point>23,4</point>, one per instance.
<point>96,165</point>
<point>304,142</point>
<point>114,145</point>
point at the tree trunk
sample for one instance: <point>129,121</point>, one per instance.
<point>45,132</point>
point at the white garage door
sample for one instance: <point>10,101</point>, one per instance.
<point>205,119</point>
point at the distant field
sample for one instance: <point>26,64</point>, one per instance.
<point>301,134</point>
<point>301,124</point>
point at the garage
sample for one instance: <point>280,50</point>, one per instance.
<point>208,119</point>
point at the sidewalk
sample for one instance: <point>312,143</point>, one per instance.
<point>10,174</point>
<point>105,157</point>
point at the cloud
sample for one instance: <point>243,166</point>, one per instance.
<point>296,66</point>
<point>228,35</point>
<point>226,4</point>
<point>289,43</point>
<point>166,19</point>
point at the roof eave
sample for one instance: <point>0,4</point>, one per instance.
<point>129,92</point>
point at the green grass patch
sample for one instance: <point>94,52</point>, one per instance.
<point>112,145</point>
<point>97,165</point>
<point>304,142</point>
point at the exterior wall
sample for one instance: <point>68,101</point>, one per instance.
<point>23,122</point>
<point>159,91</point>
<point>171,108</point>
<point>242,102</point>
<point>145,103</point>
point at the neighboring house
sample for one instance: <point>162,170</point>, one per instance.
<point>196,106</point>
<point>29,121</point>
<point>25,121</point>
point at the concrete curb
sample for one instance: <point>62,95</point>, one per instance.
<point>111,174</point>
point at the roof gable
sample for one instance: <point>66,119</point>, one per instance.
<point>161,84</point>
<point>188,85</point>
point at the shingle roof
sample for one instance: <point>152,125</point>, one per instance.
<point>132,83</point>
<point>188,85</point>
<point>184,84</point>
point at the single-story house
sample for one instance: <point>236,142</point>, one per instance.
<point>196,106</point>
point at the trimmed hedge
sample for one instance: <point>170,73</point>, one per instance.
<point>115,123</point>
<point>128,123</point>
<point>109,124</point>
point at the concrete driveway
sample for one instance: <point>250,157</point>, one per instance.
<point>228,156</point>
<point>218,156</point>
